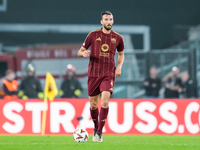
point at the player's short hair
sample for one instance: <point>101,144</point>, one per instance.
<point>105,13</point>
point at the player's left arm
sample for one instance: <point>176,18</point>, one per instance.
<point>120,63</point>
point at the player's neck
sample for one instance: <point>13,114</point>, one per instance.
<point>106,31</point>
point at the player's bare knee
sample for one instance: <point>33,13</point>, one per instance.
<point>104,104</point>
<point>93,105</point>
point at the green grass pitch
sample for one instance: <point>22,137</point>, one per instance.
<point>111,142</point>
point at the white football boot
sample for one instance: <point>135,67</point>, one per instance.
<point>94,135</point>
<point>99,138</point>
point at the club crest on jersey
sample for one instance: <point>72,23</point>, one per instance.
<point>98,39</point>
<point>105,47</point>
<point>113,40</point>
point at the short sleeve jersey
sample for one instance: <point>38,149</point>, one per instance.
<point>103,49</point>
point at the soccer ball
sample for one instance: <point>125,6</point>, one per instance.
<point>80,135</point>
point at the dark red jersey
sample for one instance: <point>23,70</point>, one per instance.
<point>103,49</point>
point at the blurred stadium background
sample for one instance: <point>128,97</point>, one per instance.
<point>48,34</point>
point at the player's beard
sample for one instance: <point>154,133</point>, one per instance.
<point>107,27</point>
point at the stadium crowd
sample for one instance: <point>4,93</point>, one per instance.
<point>175,84</point>
<point>30,87</point>
<point>172,85</point>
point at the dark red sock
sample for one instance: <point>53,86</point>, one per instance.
<point>102,118</point>
<point>95,116</point>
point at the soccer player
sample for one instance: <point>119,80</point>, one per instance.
<point>101,69</point>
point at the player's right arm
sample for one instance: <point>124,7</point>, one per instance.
<point>83,52</point>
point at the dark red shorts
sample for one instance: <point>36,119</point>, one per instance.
<point>96,85</point>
